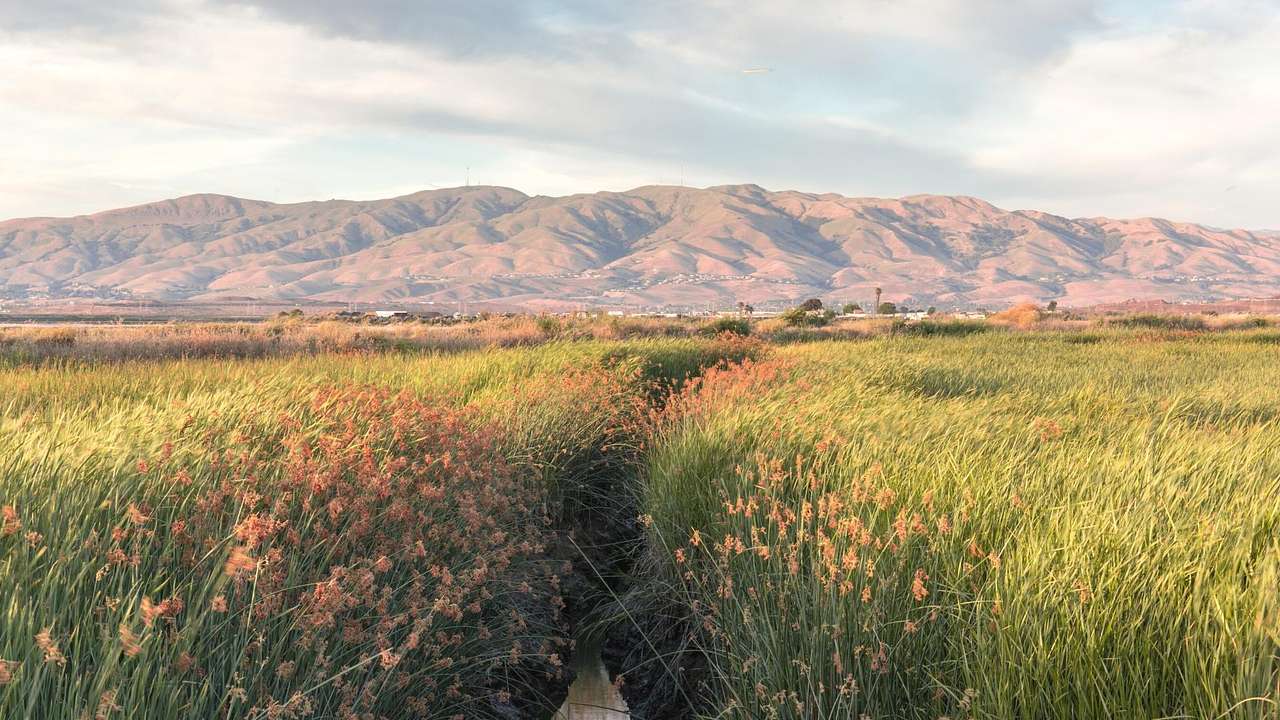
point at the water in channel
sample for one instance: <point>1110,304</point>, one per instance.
<point>592,696</point>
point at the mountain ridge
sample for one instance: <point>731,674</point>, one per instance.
<point>652,246</point>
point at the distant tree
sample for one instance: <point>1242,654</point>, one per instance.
<point>1052,306</point>
<point>850,308</point>
<point>797,317</point>
<point>878,291</point>
<point>932,310</point>
<point>749,309</point>
<point>828,314</point>
<point>811,305</point>
<point>886,308</point>
<point>742,308</point>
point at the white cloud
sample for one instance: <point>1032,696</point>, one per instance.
<point>1166,118</point>
<point>1072,106</point>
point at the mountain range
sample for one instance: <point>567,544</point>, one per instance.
<point>651,247</point>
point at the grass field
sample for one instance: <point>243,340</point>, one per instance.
<point>999,526</point>
<point>949,522</point>
<point>325,536</point>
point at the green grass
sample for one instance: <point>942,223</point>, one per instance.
<point>937,523</point>
<point>1110,542</point>
<point>420,494</point>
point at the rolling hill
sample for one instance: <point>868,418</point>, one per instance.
<point>655,246</point>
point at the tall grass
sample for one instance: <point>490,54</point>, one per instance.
<point>932,521</point>
<point>991,526</point>
<point>326,536</point>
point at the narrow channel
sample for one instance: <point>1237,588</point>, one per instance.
<point>592,696</point>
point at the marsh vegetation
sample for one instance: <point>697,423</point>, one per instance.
<point>906,523</point>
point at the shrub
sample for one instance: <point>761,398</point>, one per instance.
<point>939,328</point>
<point>733,325</point>
<point>548,324</point>
<point>798,317</point>
<point>1158,322</point>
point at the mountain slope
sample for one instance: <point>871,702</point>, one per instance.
<point>651,246</point>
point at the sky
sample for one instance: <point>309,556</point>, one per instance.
<point>1125,108</point>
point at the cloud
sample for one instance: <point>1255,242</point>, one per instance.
<point>1078,106</point>
<point>477,28</point>
<point>62,16</point>
<point>1174,113</point>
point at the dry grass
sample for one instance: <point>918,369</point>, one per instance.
<point>285,338</point>
<point>1024,316</point>
<point>41,345</point>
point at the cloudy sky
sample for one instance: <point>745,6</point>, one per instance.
<point>1079,107</point>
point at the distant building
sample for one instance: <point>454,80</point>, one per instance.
<point>387,314</point>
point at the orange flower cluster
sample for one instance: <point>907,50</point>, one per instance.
<point>52,654</point>
<point>389,551</point>
<point>853,566</point>
<point>10,522</point>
